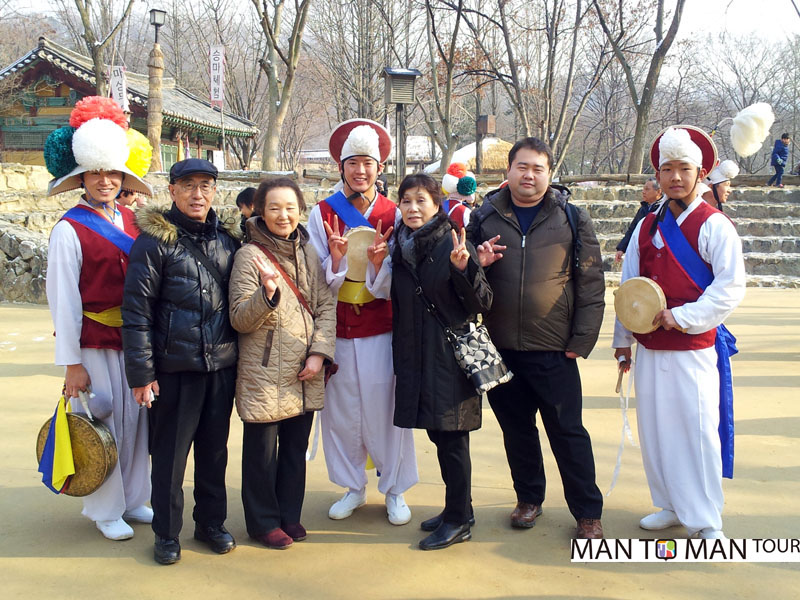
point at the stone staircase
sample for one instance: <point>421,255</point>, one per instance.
<point>768,221</point>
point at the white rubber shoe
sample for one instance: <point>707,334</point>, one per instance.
<point>397,509</point>
<point>115,530</point>
<point>709,534</point>
<point>140,514</point>
<point>660,520</point>
<point>345,506</point>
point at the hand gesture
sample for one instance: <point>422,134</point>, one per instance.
<point>313,366</point>
<point>459,257</point>
<point>379,248</point>
<point>337,244</point>
<point>268,276</point>
<point>490,251</point>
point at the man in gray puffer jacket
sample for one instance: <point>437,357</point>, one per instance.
<point>548,305</point>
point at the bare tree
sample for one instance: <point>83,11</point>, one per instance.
<point>617,33</point>
<point>98,28</point>
<point>280,77</point>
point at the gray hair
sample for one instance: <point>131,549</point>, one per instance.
<point>655,183</point>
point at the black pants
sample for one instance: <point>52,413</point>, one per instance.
<point>452,449</point>
<point>274,472</point>
<point>192,408</point>
<point>547,382</point>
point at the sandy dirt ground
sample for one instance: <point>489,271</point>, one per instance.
<point>49,550</point>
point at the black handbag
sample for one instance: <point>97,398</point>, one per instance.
<point>473,348</point>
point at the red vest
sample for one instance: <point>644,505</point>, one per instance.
<point>101,280</point>
<point>455,210</point>
<point>376,316</point>
<point>660,265</point>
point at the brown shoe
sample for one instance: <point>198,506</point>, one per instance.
<point>589,529</point>
<point>524,515</point>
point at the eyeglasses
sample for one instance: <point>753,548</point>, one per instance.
<point>190,187</point>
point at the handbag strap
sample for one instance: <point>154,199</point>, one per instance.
<point>286,278</point>
<point>430,306</point>
<point>203,259</point>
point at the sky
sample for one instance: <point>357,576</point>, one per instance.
<point>769,18</point>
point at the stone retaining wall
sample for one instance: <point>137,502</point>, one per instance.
<point>23,264</point>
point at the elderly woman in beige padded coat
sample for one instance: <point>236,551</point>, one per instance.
<point>286,336</point>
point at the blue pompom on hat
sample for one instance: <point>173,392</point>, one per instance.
<point>58,155</point>
<point>467,185</point>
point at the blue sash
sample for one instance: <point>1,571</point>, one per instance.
<point>346,211</point>
<point>725,343</point>
<point>109,232</point>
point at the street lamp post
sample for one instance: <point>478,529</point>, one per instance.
<point>155,70</point>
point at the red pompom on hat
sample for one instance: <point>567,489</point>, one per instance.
<point>97,107</point>
<point>359,145</point>
<point>699,137</point>
<point>457,169</point>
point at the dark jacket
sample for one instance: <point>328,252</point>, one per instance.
<point>780,154</point>
<point>640,214</point>
<point>541,302</point>
<point>432,391</point>
<point>174,314</point>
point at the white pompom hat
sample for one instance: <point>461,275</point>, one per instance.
<point>686,143</point>
<point>724,171</point>
<point>360,137</point>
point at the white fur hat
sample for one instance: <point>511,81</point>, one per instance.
<point>724,171</point>
<point>360,137</point>
<point>677,144</point>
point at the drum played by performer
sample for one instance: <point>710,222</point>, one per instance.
<point>87,262</point>
<point>693,253</point>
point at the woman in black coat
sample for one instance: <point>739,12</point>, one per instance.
<point>432,391</point>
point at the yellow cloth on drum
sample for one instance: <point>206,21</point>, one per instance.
<point>355,292</point>
<point>111,317</point>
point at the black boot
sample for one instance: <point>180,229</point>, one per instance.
<point>446,535</point>
<point>216,536</point>
<point>166,551</point>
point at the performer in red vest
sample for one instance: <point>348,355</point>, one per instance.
<point>357,420</point>
<point>87,262</point>
<point>693,252</point>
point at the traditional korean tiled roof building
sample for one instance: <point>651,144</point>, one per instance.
<point>52,79</point>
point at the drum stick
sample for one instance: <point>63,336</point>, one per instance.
<point>621,367</point>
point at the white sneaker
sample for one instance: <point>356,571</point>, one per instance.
<point>115,530</point>
<point>660,520</point>
<point>709,534</point>
<point>397,509</point>
<point>140,514</point>
<point>345,506</point>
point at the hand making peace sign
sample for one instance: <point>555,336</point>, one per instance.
<point>268,276</point>
<point>460,255</point>
<point>379,248</point>
<point>337,243</point>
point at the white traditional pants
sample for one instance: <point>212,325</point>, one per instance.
<point>677,395</point>
<point>128,486</point>
<point>358,418</point>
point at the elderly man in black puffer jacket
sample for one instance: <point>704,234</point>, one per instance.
<point>179,345</point>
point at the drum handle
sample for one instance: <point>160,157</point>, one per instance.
<point>84,397</point>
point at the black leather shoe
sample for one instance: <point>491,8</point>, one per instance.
<point>446,535</point>
<point>216,536</point>
<point>166,551</point>
<point>433,523</point>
